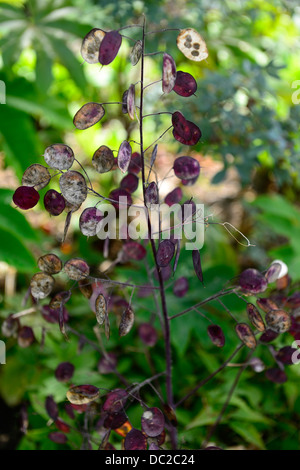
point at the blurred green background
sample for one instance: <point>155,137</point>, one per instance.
<point>249,153</point>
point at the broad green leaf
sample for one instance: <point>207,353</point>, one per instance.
<point>13,252</point>
<point>248,432</point>
<point>14,221</point>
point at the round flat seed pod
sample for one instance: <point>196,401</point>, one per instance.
<point>285,355</point>
<point>192,45</point>
<point>73,187</point>
<point>89,220</point>
<point>36,175</point>
<point>268,336</point>
<point>253,281</point>
<point>64,371</point>
<point>88,115</point>
<point>255,317</point>
<point>50,264</point>
<point>135,163</point>
<point>41,285</point>
<point>130,183</point>
<point>103,159</point>
<point>131,102</point>
<point>151,194</point>
<point>51,408</point>
<point>165,253</point>
<point>58,437</point>
<point>273,272</point>
<point>115,401</point>
<point>266,304</point>
<point>85,288</point>
<point>278,321</point>
<point>174,197</point>
<point>276,375</point>
<point>60,299</point>
<point>134,250</point>
<point>246,335</point>
<point>120,197</point>
<point>124,156</point>
<point>135,440</point>
<point>148,334</point>
<point>216,334</point>
<point>59,156</point>
<point>82,394</point>
<point>107,363</point>
<point>186,168</point>
<point>153,422</point>
<point>185,84</point>
<point>76,269</point>
<point>186,132</point>
<point>115,420</point>
<point>25,337</point>
<point>26,197</point>
<point>91,45</point>
<point>168,73</point>
<point>100,308</point>
<point>109,47</point>
<point>127,321</point>
<point>136,52</point>
<point>54,202</point>
<point>181,287</point>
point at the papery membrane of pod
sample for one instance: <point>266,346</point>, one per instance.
<point>276,375</point>
<point>73,187</point>
<point>136,52</point>
<point>127,321</point>
<point>165,253</point>
<point>115,400</point>
<point>50,264</point>
<point>118,193</point>
<point>216,334</point>
<point>58,437</point>
<point>109,47</point>
<point>266,304</point>
<point>170,414</point>
<point>103,159</point>
<point>115,420</point>
<point>181,287</point>
<point>253,281</point>
<point>85,288</point>
<point>88,115</point>
<point>153,422</point>
<point>192,45</point>
<point>148,334</point>
<point>284,268</point>
<point>91,45</point>
<point>61,298</point>
<point>54,202</point>
<point>134,250</point>
<point>64,371</point>
<point>51,315</point>
<point>59,156</point>
<point>135,440</point>
<point>151,194</point>
<point>62,425</point>
<point>25,337</point>
<point>41,285</point>
<point>124,102</point>
<point>89,220</point>
<point>186,168</point>
<point>36,175</point>
<point>285,355</point>
<point>197,264</point>
<point>51,407</point>
<point>76,269</point>
<point>130,183</point>
<point>135,164</point>
<point>278,321</point>
<point>246,335</point>
<point>186,132</point>
<point>255,317</point>
<point>10,326</point>
<point>100,308</point>
<point>131,102</point>
<point>273,272</point>
<point>268,336</point>
<point>26,197</point>
<point>168,73</point>
<point>107,363</point>
<point>124,156</point>
<point>185,84</point>
<point>82,394</point>
<point>174,197</point>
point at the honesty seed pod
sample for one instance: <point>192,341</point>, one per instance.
<point>124,156</point>
<point>103,159</point>
<point>54,202</point>
<point>76,269</point>
<point>73,187</point>
<point>89,220</point>
<point>246,335</point>
<point>41,285</point>
<point>59,156</point>
<point>109,47</point>
<point>278,321</point>
<point>127,321</point>
<point>136,52</point>
<point>192,45</point>
<point>100,308</point>
<point>135,440</point>
<point>253,281</point>
<point>36,175</point>
<point>50,264</point>
<point>88,115</point>
<point>153,422</point>
<point>165,253</point>
<point>216,334</point>
<point>185,84</point>
<point>168,73</point>
<point>26,197</point>
<point>83,394</point>
<point>91,45</point>
<point>255,317</point>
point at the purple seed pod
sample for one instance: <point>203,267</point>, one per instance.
<point>253,281</point>
<point>190,182</point>
<point>36,175</point>
<point>168,73</point>
<point>69,410</point>
<point>293,301</point>
<point>135,164</point>
<point>41,285</point>
<point>185,131</point>
<point>124,156</point>
<point>170,414</point>
<point>115,401</point>
<point>89,220</point>
<point>151,194</point>
<point>85,288</point>
<point>181,286</point>
<point>26,197</point>
<point>186,168</point>
<point>131,102</point>
<point>64,371</point>
<point>50,264</point>
<point>82,394</point>
<point>51,408</point>
<point>255,317</point>
<point>165,253</point>
<point>134,250</point>
<point>174,197</point>
<point>91,45</point>
<point>107,363</point>
<point>216,334</point>
<point>148,334</point>
<point>266,304</point>
<point>54,202</point>
<point>278,321</point>
<point>192,45</point>
<point>109,47</point>
<point>268,336</point>
<point>25,337</point>
<point>73,187</point>
<point>76,269</point>
<point>59,156</point>
<point>115,420</point>
<point>185,84</point>
<point>88,115</point>
<point>165,272</point>
<point>153,446</point>
<point>135,440</point>
<point>62,425</point>
<point>273,272</point>
<point>103,159</point>
<point>276,375</point>
<point>118,193</point>
<point>136,53</point>
<point>127,321</point>
<point>130,183</point>
<point>153,422</point>
<point>60,299</point>
<point>257,364</point>
<point>124,102</point>
<point>51,315</point>
<point>100,308</point>
<point>58,437</point>
<point>246,335</point>
<point>197,264</point>
<point>285,355</point>
<point>10,326</point>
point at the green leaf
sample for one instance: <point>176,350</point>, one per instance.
<point>13,252</point>
<point>249,433</point>
<point>15,222</point>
